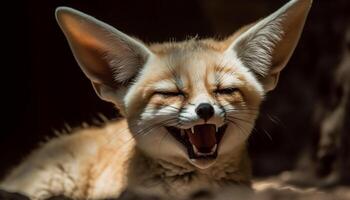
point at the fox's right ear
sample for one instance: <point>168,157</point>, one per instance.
<point>108,57</point>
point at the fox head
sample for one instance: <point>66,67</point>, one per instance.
<point>194,101</point>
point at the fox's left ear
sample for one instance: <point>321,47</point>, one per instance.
<point>266,46</point>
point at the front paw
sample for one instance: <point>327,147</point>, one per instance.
<point>12,196</point>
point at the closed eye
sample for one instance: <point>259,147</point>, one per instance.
<point>169,93</point>
<point>227,91</point>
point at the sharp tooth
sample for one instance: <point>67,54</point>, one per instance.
<point>192,130</point>
<point>217,128</point>
<point>214,148</point>
<point>195,149</point>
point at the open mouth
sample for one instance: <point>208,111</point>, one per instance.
<point>201,141</point>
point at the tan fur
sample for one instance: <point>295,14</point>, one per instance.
<point>73,164</point>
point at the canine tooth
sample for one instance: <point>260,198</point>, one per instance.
<point>217,129</point>
<point>192,130</point>
<point>214,148</point>
<point>196,151</point>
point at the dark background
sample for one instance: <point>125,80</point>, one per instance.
<point>43,87</point>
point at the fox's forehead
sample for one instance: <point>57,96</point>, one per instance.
<point>197,64</point>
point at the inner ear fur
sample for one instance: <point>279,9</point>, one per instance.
<point>266,46</point>
<point>108,57</point>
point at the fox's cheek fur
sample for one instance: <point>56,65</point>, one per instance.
<point>158,101</point>
<point>162,107</point>
<point>234,98</point>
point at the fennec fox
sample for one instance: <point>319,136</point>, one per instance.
<point>188,109</point>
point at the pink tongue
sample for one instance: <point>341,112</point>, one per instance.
<point>203,138</point>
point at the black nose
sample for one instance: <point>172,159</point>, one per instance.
<point>205,111</point>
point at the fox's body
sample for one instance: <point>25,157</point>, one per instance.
<point>99,163</point>
<point>189,108</point>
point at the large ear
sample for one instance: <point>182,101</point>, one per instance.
<point>108,57</point>
<point>266,46</point>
